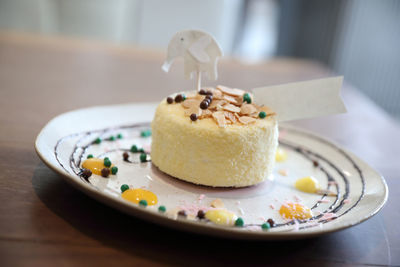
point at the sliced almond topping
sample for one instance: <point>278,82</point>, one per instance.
<point>217,94</point>
<point>215,103</point>
<point>188,103</point>
<point>239,101</point>
<point>254,115</point>
<point>213,106</point>
<point>247,109</point>
<point>220,107</point>
<point>200,97</point>
<point>205,114</point>
<point>219,117</point>
<point>193,109</point>
<point>227,106</point>
<point>217,203</point>
<point>231,108</point>
<point>230,116</point>
<point>230,91</point>
<point>194,95</point>
<point>191,95</point>
<point>214,91</point>
<point>230,99</point>
<point>267,110</point>
<point>246,120</point>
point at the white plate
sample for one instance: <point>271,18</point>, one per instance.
<point>60,145</point>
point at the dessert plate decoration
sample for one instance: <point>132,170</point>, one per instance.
<point>68,140</point>
<point>208,160</point>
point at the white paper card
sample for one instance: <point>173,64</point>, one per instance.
<point>302,100</point>
<point>199,50</point>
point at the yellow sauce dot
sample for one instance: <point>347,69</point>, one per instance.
<point>95,165</point>
<point>221,216</point>
<point>295,211</point>
<point>135,195</point>
<point>280,155</point>
<point>308,184</point>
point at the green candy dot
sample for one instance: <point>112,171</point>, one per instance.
<point>265,226</point>
<point>143,157</point>
<point>143,203</point>
<point>247,98</point>
<point>114,170</point>
<point>145,133</point>
<point>119,136</point>
<point>162,209</point>
<point>124,187</point>
<point>134,149</point>
<point>97,140</point>
<point>239,222</point>
<point>183,97</point>
<point>262,114</point>
<point>112,138</point>
<point>107,162</point>
<point>89,156</point>
<point>141,150</point>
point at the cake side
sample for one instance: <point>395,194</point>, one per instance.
<point>204,153</point>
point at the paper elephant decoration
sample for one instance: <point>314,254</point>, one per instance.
<point>200,52</point>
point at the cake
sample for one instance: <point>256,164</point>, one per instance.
<point>215,137</point>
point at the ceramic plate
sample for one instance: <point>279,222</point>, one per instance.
<point>361,192</point>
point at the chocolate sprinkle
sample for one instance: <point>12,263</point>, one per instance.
<point>204,105</point>
<point>271,222</point>
<point>193,117</point>
<point>86,173</point>
<point>201,214</point>
<point>125,156</point>
<point>315,163</point>
<point>202,92</point>
<point>178,98</point>
<point>105,172</point>
<point>170,100</point>
<point>182,213</point>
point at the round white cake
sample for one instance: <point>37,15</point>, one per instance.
<point>230,142</point>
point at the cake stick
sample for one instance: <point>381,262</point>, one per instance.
<point>198,81</point>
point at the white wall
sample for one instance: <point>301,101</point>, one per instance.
<point>367,50</point>
<point>144,22</point>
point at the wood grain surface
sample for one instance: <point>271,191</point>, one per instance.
<point>46,222</point>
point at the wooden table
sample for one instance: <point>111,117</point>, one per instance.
<point>46,222</point>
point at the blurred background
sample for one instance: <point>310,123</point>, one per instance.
<point>359,39</point>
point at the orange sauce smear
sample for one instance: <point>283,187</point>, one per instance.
<point>295,211</point>
<point>135,195</point>
<point>95,165</point>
